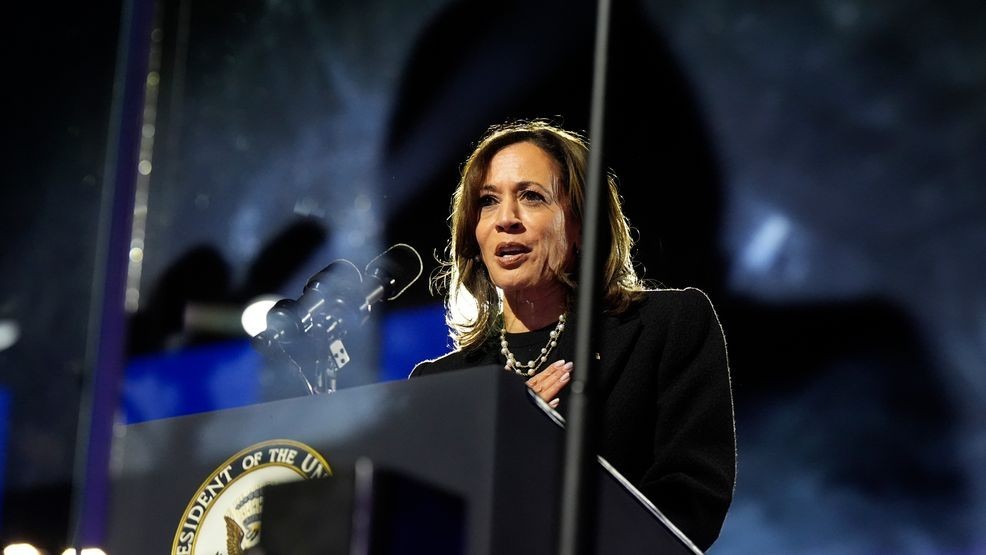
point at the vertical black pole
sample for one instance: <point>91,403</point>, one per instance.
<point>106,327</point>
<point>578,502</point>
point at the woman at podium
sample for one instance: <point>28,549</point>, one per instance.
<point>664,387</point>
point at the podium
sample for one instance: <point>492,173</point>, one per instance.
<point>476,434</point>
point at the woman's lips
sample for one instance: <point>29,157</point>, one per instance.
<point>513,260</point>
<point>510,254</point>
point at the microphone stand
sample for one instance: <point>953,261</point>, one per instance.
<point>577,522</point>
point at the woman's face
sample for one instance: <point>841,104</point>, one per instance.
<point>525,231</point>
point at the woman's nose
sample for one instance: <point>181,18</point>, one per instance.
<point>507,218</point>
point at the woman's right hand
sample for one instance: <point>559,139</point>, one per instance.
<point>551,381</point>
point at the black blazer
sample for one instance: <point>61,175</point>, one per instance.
<point>667,404</point>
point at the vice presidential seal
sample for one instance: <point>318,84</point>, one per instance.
<point>223,516</point>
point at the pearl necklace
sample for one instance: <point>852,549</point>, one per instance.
<point>532,366</point>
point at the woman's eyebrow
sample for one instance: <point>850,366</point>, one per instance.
<point>520,185</point>
<point>529,184</point>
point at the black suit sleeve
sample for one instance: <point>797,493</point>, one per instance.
<point>694,469</point>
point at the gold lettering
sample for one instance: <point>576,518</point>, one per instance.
<point>282,455</point>
<point>312,467</point>
<point>225,473</point>
<point>186,537</point>
<point>196,513</point>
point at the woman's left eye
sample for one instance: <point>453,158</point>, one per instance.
<point>532,196</point>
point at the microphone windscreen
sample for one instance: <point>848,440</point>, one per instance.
<point>339,277</point>
<point>395,269</point>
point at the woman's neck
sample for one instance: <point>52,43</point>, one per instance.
<point>531,312</point>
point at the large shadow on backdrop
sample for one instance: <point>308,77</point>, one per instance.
<point>202,277</point>
<point>843,423</point>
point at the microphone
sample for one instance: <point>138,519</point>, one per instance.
<point>327,297</point>
<point>309,331</point>
<point>301,329</point>
<point>390,274</point>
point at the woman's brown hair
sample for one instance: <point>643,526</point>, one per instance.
<point>464,271</point>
